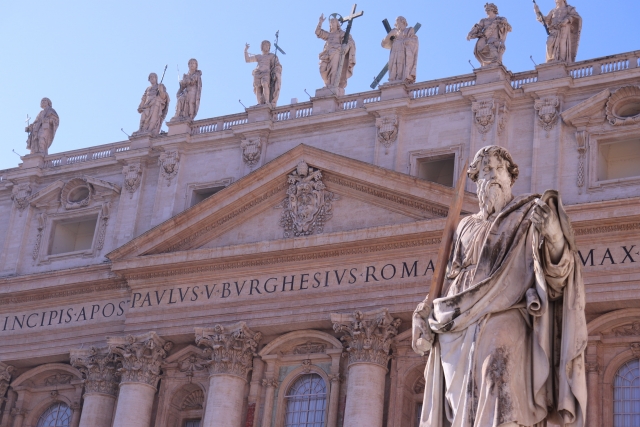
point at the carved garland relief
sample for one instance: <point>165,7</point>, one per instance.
<point>387,131</point>
<point>251,151</point>
<point>484,116</point>
<point>548,114</point>
<point>132,177</point>
<point>21,194</point>
<point>169,163</point>
<point>308,205</point>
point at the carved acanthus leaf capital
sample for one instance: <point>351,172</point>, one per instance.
<point>270,382</point>
<point>6,372</point>
<point>367,335</point>
<point>231,349</point>
<point>141,357</point>
<point>99,367</point>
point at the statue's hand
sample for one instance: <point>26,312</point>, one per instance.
<point>246,47</point>
<point>322,18</point>
<point>422,337</point>
<point>545,219</point>
<point>140,110</point>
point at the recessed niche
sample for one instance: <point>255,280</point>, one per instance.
<point>437,169</point>
<point>619,160</point>
<point>72,235</point>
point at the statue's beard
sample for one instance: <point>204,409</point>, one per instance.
<point>493,197</point>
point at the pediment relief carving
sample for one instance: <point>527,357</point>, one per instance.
<point>623,106</point>
<point>79,192</point>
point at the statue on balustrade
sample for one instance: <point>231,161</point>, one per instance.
<point>506,339</point>
<point>333,50</point>
<point>563,25</point>
<point>403,58</point>
<point>43,129</point>
<point>153,107</point>
<point>491,33</point>
<point>267,75</point>
<point>189,94</point>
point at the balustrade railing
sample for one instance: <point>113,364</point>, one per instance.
<point>86,155</point>
<point>457,85</point>
<point>520,79</point>
<point>231,122</point>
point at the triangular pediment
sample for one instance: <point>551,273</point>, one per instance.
<point>588,112</point>
<point>340,193</point>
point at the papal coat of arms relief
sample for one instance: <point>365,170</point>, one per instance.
<point>307,206</point>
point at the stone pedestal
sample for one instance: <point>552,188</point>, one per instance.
<point>135,403</point>
<point>232,350</point>
<point>552,70</point>
<point>35,160</point>
<point>177,128</point>
<point>390,91</point>
<point>367,338</point>
<point>141,357</point>
<point>259,113</point>
<point>491,74</point>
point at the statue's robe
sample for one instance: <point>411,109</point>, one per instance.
<point>154,105</point>
<point>268,71</point>
<point>510,332</point>
<point>403,59</point>
<point>330,57</point>
<point>43,130</point>
<point>492,35</point>
<point>565,25</point>
<point>188,96</point>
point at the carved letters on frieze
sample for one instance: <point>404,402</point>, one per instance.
<point>251,150</point>
<point>484,116</point>
<point>141,357</point>
<point>169,163</point>
<point>387,131</point>
<point>367,335</point>
<point>307,206</point>
<point>231,349</point>
<point>100,369</point>
<point>132,177</point>
<point>21,194</point>
<point>548,114</point>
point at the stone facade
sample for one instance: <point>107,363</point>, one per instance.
<point>200,274</point>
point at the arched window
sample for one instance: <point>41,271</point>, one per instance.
<point>57,415</point>
<point>626,395</point>
<point>306,402</point>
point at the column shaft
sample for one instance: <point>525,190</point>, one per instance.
<point>365,395</point>
<point>592,407</point>
<point>225,401</point>
<point>268,405</point>
<point>334,399</point>
<point>97,410</point>
<point>135,404</point>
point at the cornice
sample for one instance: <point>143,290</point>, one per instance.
<point>41,296</point>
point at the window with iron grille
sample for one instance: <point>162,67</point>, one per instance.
<point>626,395</point>
<point>57,415</point>
<point>306,401</point>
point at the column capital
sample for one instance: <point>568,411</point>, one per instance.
<point>100,369</point>
<point>367,335</point>
<point>6,371</point>
<point>231,349</point>
<point>140,356</point>
<point>270,382</point>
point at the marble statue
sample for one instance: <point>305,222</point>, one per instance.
<point>153,107</point>
<point>330,55</point>
<point>564,26</point>
<point>43,129</point>
<point>267,76</point>
<point>403,58</point>
<point>506,339</point>
<point>491,33</point>
<point>189,93</point>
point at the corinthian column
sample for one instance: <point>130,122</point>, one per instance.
<point>99,368</point>
<point>231,350</point>
<point>6,371</point>
<point>367,338</point>
<point>141,357</point>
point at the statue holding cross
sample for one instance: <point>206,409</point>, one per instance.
<point>338,57</point>
<point>403,59</point>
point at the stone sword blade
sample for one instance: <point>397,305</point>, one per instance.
<point>437,280</point>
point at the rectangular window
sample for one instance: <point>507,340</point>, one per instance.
<point>73,235</point>
<point>192,423</point>
<point>619,160</point>
<point>203,193</point>
<point>437,169</point>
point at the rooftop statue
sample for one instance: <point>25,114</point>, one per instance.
<point>189,93</point>
<point>403,59</point>
<point>267,76</point>
<point>508,334</point>
<point>153,107</point>
<point>491,33</point>
<point>43,129</point>
<point>330,55</point>
<point>563,25</point>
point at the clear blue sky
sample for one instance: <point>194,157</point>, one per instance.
<point>92,58</point>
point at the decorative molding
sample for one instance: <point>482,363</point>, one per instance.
<point>195,400</point>
<point>21,195</point>
<point>306,366</point>
<point>270,382</point>
<point>251,150</point>
<point>548,112</point>
<point>607,229</point>
<point>192,364</point>
<point>307,206</point>
<point>231,349</point>
<point>335,378</point>
<point>503,118</point>
<point>58,379</point>
<point>387,128</point>
<point>625,97</point>
<point>104,222</point>
<point>132,177</point>
<point>592,367</point>
<point>309,348</point>
<point>100,369</point>
<point>141,357</point>
<point>42,221</point>
<point>632,329</point>
<point>76,194</point>
<point>388,196</point>
<point>288,258</point>
<point>419,385</point>
<point>367,335</point>
<point>40,296</point>
<point>582,138</point>
<point>484,116</point>
<point>635,349</point>
<point>6,372</point>
<point>169,162</point>
<point>19,412</point>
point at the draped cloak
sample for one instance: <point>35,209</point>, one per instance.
<point>510,332</point>
<point>403,58</point>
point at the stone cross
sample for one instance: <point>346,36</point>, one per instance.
<point>385,69</point>
<point>275,44</point>
<point>345,40</point>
